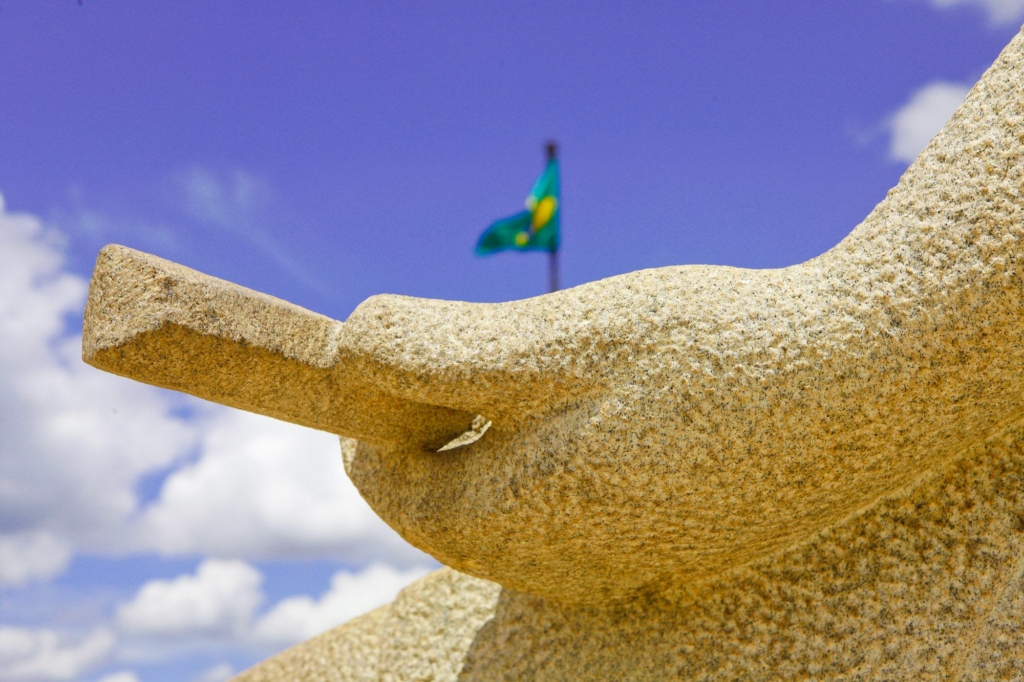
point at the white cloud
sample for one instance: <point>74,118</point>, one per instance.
<point>219,599</point>
<point>218,673</point>
<point>276,490</point>
<point>31,556</point>
<point>73,441</point>
<point>122,676</point>
<point>76,442</point>
<point>914,124</point>
<point>1000,12</point>
<point>296,619</point>
<point>75,445</point>
<point>42,654</point>
<point>219,602</point>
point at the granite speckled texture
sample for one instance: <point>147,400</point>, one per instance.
<point>700,472</point>
<point>926,584</point>
<point>423,635</point>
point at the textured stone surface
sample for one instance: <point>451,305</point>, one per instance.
<point>926,584</point>
<point>923,585</point>
<point>423,635</point>
<point>696,471</point>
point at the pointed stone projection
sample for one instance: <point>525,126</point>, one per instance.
<point>688,472</point>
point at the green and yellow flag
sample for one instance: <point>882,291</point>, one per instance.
<point>536,228</point>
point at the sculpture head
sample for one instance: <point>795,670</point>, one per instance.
<point>650,429</point>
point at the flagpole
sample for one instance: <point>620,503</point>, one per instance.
<point>552,151</point>
<point>553,270</point>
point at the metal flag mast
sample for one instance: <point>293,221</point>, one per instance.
<point>552,151</point>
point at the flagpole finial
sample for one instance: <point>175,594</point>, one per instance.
<point>552,150</point>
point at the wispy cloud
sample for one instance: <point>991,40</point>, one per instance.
<point>217,673</point>
<point>239,202</point>
<point>30,556</point>
<point>44,654</point>
<point>121,676</point>
<point>999,12</point>
<point>913,125</point>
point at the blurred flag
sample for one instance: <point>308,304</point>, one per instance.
<point>536,228</point>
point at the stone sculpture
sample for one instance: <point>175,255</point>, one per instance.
<point>691,472</point>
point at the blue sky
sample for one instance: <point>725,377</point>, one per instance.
<point>324,152</point>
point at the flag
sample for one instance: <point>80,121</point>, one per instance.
<point>536,228</point>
